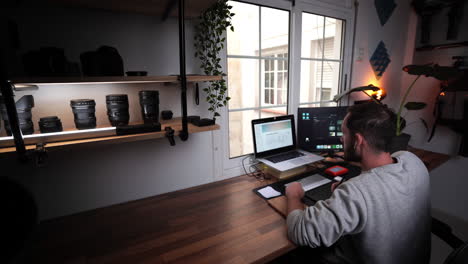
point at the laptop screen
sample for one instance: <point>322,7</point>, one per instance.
<point>273,135</point>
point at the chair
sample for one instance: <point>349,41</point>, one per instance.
<point>459,254</point>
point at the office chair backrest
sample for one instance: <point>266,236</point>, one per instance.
<point>458,256</point>
<point>460,253</point>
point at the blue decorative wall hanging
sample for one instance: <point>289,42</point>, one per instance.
<point>384,9</point>
<point>380,60</point>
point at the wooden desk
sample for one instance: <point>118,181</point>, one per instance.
<point>221,222</point>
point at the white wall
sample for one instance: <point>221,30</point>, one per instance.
<point>81,178</point>
<point>369,33</point>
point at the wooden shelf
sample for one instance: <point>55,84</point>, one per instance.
<point>175,124</point>
<point>112,79</point>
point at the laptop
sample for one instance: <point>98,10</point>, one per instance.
<point>275,143</point>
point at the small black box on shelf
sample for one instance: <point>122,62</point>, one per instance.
<point>193,118</point>
<point>166,114</point>
<point>204,122</point>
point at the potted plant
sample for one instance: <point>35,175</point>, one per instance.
<point>400,141</point>
<point>209,41</point>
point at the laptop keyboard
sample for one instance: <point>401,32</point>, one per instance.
<point>285,156</point>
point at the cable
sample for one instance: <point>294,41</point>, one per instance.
<point>243,166</point>
<point>254,171</point>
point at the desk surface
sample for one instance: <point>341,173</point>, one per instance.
<point>220,222</point>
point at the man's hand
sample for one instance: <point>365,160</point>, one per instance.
<point>294,194</point>
<point>294,191</point>
<point>334,186</point>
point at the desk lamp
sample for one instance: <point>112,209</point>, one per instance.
<point>377,94</point>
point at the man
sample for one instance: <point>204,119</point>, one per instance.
<point>380,216</point>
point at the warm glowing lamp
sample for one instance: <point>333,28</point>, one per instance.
<point>374,92</point>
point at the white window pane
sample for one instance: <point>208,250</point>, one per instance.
<point>311,78</point>
<point>275,30</point>
<point>246,23</point>
<point>333,38</point>
<point>240,132</point>
<point>270,112</point>
<point>331,78</point>
<point>280,80</point>
<point>274,80</point>
<point>280,65</point>
<point>312,35</point>
<point>243,83</point>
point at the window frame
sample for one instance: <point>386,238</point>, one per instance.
<point>229,167</point>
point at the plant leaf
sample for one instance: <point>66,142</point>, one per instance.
<point>425,124</point>
<point>415,105</point>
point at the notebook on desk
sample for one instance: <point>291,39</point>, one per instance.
<point>275,143</point>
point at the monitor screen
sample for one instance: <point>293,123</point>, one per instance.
<point>319,128</point>
<point>273,134</point>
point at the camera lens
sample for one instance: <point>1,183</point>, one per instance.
<point>117,109</point>
<point>50,124</point>
<point>83,111</point>
<point>23,108</point>
<point>149,101</point>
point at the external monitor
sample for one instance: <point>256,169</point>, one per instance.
<point>319,128</point>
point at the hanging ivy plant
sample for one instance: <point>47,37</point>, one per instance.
<point>209,41</point>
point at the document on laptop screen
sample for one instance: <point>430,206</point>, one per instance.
<point>273,135</point>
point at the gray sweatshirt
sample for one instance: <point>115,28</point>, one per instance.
<point>381,216</point>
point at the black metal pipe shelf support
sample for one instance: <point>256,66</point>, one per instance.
<point>183,75</point>
<point>9,101</point>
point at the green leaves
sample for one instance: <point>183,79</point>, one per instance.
<point>415,105</point>
<point>209,41</point>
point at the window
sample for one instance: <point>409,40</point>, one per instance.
<point>276,79</point>
<point>258,57</point>
<point>321,59</point>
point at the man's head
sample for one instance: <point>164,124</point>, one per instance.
<point>369,125</point>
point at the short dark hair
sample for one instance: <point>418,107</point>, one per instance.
<point>375,122</point>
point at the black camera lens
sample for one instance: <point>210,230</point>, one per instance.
<point>50,124</point>
<point>84,113</point>
<point>23,108</point>
<point>117,109</point>
<point>149,101</point>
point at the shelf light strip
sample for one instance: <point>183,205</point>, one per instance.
<point>25,87</point>
<point>74,132</point>
<point>96,82</point>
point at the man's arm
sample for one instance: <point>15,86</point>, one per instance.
<point>328,220</point>
<point>294,194</point>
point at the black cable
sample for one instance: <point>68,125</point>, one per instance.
<point>197,94</point>
<point>256,172</point>
<point>243,166</point>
